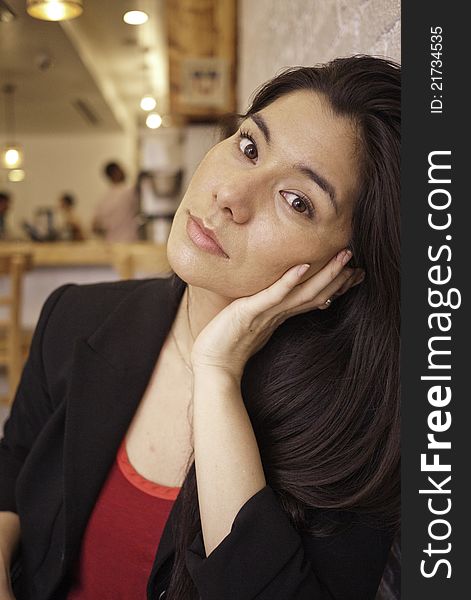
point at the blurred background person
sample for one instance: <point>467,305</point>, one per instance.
<point>69,225</point>
<point>5,200</point>
<point>116,215</point>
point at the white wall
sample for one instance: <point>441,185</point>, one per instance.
<point>198,140</point>
<point>274,34</point>
<point>58,164</point>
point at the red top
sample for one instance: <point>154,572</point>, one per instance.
<point>122,535</point>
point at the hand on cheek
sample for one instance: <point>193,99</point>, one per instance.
<point>317,266</point>
<point>246,324</point>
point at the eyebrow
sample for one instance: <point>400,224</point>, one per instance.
<point>321,181</point>
<point>262,125</point>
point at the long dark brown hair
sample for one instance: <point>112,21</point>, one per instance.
<point>323,394</point>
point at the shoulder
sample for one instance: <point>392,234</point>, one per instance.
<point>82,308</point>
<point>121,314</point>
<point>90,300</point>
<point>77,311</point>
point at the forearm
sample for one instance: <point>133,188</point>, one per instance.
<point>9,535</point>
<point>228,466</point>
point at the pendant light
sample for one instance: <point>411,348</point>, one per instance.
<point>148,103</point>
<point>12,154</point>
<point>54,10</point>
<point>135,17</point>
<point>153,120</point>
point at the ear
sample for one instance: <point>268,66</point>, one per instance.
<point>356,278</point>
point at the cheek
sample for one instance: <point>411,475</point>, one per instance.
<point>279,246</point>
<point>274,250</point>
<point>271,252</point>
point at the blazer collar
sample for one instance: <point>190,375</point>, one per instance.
<point>131,337</point>
<point>109,375</point>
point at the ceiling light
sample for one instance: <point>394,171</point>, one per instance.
<point>16,175</point>
<point>12,154</point>
<point>153,121</point>
<point>148,103</point>
<point>12,157</point>
<point>135,17</point>
<point>54,10</point>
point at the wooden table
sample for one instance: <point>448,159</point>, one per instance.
<point>91,253</point>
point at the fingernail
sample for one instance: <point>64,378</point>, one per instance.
<point>302,269</point>
<point>341,255</point>
<point>346,257</point>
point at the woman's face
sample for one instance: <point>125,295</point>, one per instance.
<point>278,193</point>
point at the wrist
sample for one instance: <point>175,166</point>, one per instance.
<point>207,374</point>
<point>5,563</point>
<point>9,537</point>
<point>5,558</point>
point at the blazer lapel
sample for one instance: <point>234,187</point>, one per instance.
<point>110,373</point>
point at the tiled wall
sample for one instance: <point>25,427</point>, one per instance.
<point>279,33</point>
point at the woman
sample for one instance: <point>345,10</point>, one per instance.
<point>257,388</point>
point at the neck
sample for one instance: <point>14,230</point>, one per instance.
<point>197,308</point>
<point>203,306</point>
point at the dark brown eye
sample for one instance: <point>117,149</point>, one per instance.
<point>298,203</point>
<point>248,147</point>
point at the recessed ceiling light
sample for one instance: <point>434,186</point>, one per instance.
<point>135,17</point>
<point>148,103</point>
<point>153,121</point>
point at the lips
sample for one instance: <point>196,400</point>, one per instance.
<point>203,237</point>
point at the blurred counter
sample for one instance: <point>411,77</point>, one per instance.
<point>94,253</point>
<point>57,263</point>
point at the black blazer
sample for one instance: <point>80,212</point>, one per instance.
<point>91,358</point>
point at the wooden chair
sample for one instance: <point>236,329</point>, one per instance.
<point>134,260</point>
<point>12,267</point>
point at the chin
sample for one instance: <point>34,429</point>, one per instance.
<point>191,266</point>
<point>197,272</point>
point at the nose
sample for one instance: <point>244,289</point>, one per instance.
<point>239,195</point>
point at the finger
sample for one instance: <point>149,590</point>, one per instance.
<point>318,282</point>
<point>329,291</point>
<point>361,277</point>
<point>357,277</point>
<point>277,292</point>
<point>334,291</point>
<point>305,301</point>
